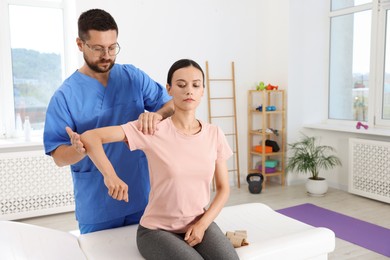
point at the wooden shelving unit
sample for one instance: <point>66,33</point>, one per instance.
<point>260,124</point>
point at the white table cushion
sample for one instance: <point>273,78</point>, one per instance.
<point>24,241</point>
<point>271,235</point>
<point>116,243</point>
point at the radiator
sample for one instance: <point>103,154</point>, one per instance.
<point>32,185</point>
<point>369,169</point>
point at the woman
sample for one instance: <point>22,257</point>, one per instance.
<point>183,155</point>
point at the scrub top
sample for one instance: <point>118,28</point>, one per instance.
<point>83,103</point>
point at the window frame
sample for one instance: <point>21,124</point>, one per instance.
<point>383,7</point>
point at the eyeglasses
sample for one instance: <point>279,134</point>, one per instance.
<point>99,51</point>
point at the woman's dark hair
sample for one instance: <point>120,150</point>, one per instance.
<point>95,19</point>
<point>183,63</point>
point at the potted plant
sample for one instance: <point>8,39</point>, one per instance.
<point>308,156</point>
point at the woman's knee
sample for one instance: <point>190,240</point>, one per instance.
<point>216,245</point>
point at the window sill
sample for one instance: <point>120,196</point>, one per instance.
<point>350,129</point>
<point>20,143</point>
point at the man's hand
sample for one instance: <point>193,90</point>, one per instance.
<point>147,122</point>
<point>117,189</point>
<point>76,141</point>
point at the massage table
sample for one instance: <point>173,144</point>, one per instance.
<point>270,235</point>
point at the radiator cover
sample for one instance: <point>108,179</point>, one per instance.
<point>369,168</point>
<point>32,185</point>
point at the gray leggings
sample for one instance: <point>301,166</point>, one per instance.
<point>160,244</point>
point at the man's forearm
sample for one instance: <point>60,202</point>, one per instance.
<point>66,155</point>
<point>167,109</point>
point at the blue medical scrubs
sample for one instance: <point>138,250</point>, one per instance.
<point>83,103</point>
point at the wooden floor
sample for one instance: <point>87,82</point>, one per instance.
<point>278,197</point>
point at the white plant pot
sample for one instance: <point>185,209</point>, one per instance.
<point>316,187</point>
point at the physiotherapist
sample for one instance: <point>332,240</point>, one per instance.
<point>103,93</point>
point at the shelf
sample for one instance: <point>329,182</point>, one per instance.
<point>277,173</point>
<point>267,91</point>
<point>267,112</point>
<point>257,132</point>
<point>266,154</point>
<point>258,123</point>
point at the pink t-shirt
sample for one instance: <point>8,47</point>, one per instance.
<point>181,168</point>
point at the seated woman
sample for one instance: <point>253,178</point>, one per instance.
<point>184,155</point>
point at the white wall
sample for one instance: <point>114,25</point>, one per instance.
<point>307,75</point>
<point>254,34</point>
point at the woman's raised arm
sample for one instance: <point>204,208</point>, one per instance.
<point>93,141</point>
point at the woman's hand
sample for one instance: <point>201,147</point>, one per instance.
<point>195,234</point>
<point>117,189</point>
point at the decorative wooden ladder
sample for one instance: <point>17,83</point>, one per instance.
<point>227,99</point>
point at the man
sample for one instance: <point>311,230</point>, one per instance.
<point>102,93</point>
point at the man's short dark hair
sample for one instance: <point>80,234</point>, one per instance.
<point>95,19</point>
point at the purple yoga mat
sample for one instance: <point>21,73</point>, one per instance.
<point>364,234</point>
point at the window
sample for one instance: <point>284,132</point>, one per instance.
<point>359,62</point>
<point>37,59</point>
<point>385,98</point>
<point>34,64</point>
